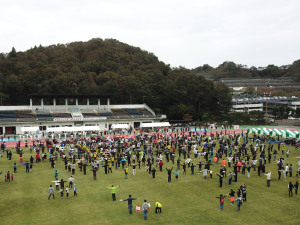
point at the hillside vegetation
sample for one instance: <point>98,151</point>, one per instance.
<point>233,70</point>
<point>109,67</point>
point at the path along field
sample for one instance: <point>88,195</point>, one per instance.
<point>188,200</point>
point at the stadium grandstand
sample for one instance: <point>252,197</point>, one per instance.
<point>13,119</point>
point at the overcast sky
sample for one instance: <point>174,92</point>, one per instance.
<point>186,33</point>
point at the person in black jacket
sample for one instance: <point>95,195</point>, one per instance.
<point>169,174</point>
<point>220,179</point>
<point>296,187</point>
<point>244,192</point>
<point>153,172</point>
<point>290,187</point>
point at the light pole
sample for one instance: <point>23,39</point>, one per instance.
<point>267,95</point>
<point>144,99</point>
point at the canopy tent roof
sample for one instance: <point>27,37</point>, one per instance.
<point>265,131</point>
<point>120,126</point>
<point>275,132</point>
<point>294,134</point>
<point>158,124</point>
<point>26,129</point>
<point>70,129</point>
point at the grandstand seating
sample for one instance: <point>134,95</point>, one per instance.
<point>145,112</point>
<point>90,114</point>
<point>133,112</point>
<point>105,113</point>
<point>120,112</point>
<point>61,115</point>
<point>25,115</point>
<point>8,116</point>
<point>44,116</point>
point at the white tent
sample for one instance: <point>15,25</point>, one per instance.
<point>72,129</point>
<point>29,129</point>
<point>158,124</point>
<point>120,126</point>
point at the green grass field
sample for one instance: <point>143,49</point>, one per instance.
<point>189,200</point>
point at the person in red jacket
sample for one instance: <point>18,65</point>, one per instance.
<point>37,158</point>
<point>160,165</point>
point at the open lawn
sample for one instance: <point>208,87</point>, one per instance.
<point>188,200</point>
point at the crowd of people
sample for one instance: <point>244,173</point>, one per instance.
<point>224,151</point>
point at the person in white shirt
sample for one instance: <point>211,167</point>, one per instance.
<point>268,178</point>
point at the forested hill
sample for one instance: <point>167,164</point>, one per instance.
<point>109,67</point>
<point>232,70</point>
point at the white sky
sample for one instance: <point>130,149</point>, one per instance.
<point>186,33</point>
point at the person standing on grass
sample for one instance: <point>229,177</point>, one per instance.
<point>220,179</point>
<point>75,190</point>
<point>153,172</point>
<point>169,174</point>
<point>231,194</point>
<point>145,209</point>
<point>192,168</point>
<point>126,172</point>
<point>71,181</point>
<point>229,178</point>
<point>95,169</point>
<point>133,169</point>
<point>30,167</point>
<point>244,192</point>
<point>67,192</point>
<point>61,192</point>
<point>248,171</point>
<point>160,165</point>
<point>8,176</point>
<point>184,169</point>
<point>51,192</point>
<point>129,200</point>
<point>221,201</point>
<point>268,178</point>
<point>113,191</point>
<point>56,184</point>
<point>62,183</point>
<point>296,187</point>
<point>291,170</point>
<point>239,203</point>
<point>290,188</point>
<point>56,174</point>
<point>15,167</point>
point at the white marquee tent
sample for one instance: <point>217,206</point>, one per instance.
<point>29,129</point>
<point>72,129</point>
<point>120,126</point>
<point>158,124</point>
